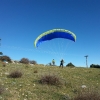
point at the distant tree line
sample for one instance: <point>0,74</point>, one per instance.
<point>94,66</point>
<point>27,61</point>
<point>23,60</point>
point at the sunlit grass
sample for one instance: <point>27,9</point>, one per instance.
<point>27,86</point>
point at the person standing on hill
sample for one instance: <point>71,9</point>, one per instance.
<point>61,63</point>
<point>53,62</point>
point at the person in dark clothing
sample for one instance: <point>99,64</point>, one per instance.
<point>61,63</point>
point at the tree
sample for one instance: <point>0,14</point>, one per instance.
<point>0,45</point>
<point>94,66</point>
<point>33,62</point>
<point>5,58</point>
<point>1,53</point>
<point>24,60</point>
<point>70,65</point>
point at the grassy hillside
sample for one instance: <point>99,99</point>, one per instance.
<point>28,86</point>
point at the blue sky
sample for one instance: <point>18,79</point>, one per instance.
<point>22,21</point>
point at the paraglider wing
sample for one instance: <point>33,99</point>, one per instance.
<point>55,33</point>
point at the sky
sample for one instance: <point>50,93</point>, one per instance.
<point>22,21</point>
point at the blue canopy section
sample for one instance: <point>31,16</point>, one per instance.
<point>55,34</point>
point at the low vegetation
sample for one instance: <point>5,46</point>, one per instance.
<point>5,58</point>
<point>24,61</point>
<point>33,62</point>
<point>50,80</point>
<point>88,95</point>
<point>1,90</point>
<point>15,74</point>
<point>35,71</point>
<point>48,83</point>
<point>94,66</point>
<point>70,65</point>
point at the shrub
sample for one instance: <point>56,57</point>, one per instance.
<point>5,58</point>
<point>70,65</point>
<point>1,53</point>
<point>35,71</point>
<point>50,80</point>
<point>15,74</point>
<point>88,95</point>
<point>24,60</point>
<point>33,62</point>
<point>94,66</point>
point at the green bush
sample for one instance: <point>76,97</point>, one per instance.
<point>24,61</point>
<point>70,65</point>
<point>5,58</point>
<point>33,62</point>
<point>94,66</point>
<point>1,53</point>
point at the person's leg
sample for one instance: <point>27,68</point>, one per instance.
<point>62,65</point>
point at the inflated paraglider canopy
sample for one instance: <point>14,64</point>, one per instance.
<point>54,33</point>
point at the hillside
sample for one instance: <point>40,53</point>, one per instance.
<point>28,86</point>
